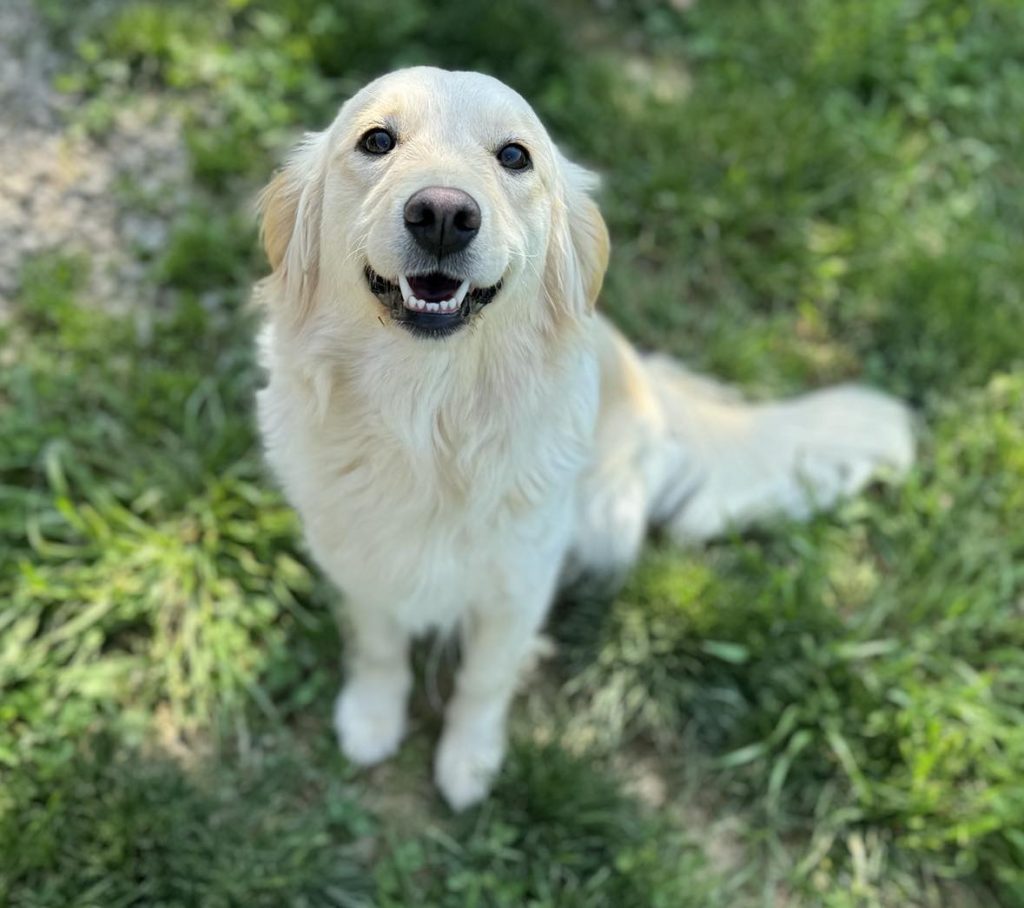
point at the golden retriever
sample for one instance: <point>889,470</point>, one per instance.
<point>461,432</point>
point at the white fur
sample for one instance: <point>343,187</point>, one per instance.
<point>449,483</point>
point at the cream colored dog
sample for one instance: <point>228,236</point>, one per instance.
<point>460,431</point>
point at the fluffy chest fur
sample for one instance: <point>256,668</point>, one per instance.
<point>427,484</point>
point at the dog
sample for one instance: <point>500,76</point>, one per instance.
<point>462,433</point>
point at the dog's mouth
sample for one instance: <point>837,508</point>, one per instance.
<point>430,305</point>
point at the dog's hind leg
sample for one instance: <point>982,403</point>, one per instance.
<point>631,462</point>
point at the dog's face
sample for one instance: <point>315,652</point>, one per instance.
<point>433,197</point>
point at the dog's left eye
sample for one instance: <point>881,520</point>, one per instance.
<point>377,141</point>
<point>514,157</point>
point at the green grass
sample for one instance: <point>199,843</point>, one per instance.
<point>829,714</point>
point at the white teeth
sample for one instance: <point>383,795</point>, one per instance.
<point>403,282</point>
<point>451,304</point>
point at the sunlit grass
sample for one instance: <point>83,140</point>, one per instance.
<point>799,194</point>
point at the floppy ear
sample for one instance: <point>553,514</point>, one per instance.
<point>578,254</point>
<point>291,207</point>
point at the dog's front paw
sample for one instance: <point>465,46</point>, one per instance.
<point>466,764</point>
<point>370,722</point>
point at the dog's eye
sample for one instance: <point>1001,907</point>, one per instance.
<point>377,141</point>
<point>514,157</point>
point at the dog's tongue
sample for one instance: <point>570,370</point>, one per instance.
<point>433,288</point>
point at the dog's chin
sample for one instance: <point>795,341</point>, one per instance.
<point>433,305</point>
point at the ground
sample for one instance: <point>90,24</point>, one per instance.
<point>824,714</point>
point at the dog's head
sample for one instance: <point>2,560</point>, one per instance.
<point>434,199</point>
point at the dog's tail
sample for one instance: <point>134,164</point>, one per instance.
<point>733,462</point>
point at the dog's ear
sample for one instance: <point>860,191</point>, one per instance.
<point>290,209</point>
<point>578,255</point>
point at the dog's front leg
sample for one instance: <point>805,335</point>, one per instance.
<point>497,642</point>
<point>370,713</point>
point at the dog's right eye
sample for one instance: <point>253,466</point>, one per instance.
<point>377,141</point>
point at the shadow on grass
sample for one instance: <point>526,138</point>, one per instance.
<point>127,825</point>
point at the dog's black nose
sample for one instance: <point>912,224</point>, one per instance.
<point>442,220</point>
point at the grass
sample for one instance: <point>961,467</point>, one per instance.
<point>829,714</point>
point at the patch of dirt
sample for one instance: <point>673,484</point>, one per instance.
<point>62,190</point>
<point>719,831</point>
